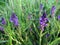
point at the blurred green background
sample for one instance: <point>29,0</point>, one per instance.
<point>28,31</point>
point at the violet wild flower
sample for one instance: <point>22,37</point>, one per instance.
<point>3,21</point>
<point>47,35</point>
<point>14,19</point>
<point>41,6</point>
<point>1,28</point>
<point>58,17</point>
<point>53,10</point>
<point>43,21</point>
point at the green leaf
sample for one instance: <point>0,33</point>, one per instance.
<point>55,42</point>
<point>2,3</point>
<point>3,41</point>
<point>50,3</point>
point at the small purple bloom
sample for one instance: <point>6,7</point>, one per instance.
<point>43,21</point>
<point>3,21</point>
<point>14,19</point>
<point>47,35</point>
<point>1,28</point>
<point>58,17</point>
<point>30,29</point>
<point>41,6</point>
<point>53,10</point>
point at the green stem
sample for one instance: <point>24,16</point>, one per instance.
<point>10,40</point>
<point>40,38</point>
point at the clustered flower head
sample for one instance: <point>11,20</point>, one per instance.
<point>41,6</point>
<point>1,28</point>
<point>14,19</point>
<point>3,22</point>
<point>43,21</point>
<point>58,17</point>
<point>53,10</point>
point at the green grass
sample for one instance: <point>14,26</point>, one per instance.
<point>24,35</point>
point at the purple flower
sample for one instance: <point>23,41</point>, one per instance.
<point>41,6</point>
<point>47,35</point>
<point>3,21</point>
<point>30,29</point>
<point>58,17</point>
<point>14,19</point>
<point>43,21</point>
<point>53,10</point>
<point>1,28</point>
